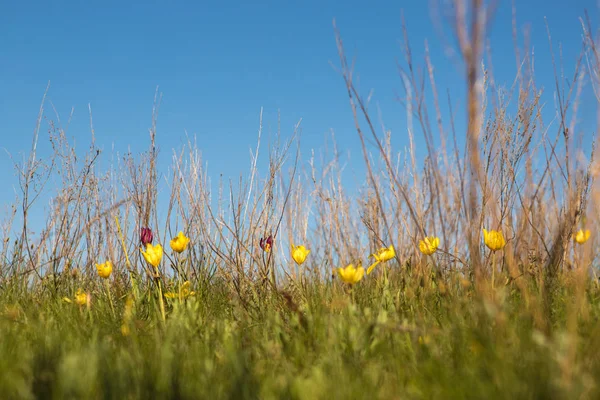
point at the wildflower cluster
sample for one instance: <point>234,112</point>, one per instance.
<point>351,274</point>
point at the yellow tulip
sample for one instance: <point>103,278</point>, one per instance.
<point>582,236</point>
<point>180,242</point>
<point>494,240</point>
<point>184,291</point>
<point>81,297</point>
<point>104,270</point>
<point>299,254</point>
<point>429,245</point>
<point>382,255</point>
<point>153,254</point>
<point>350,274</point>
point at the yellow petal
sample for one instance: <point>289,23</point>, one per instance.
<point>358,274</point>
<point>180,242</point>
<point>429,245</point>
<point>350,274</point>
<point>104,270</point>
<point>494,240</point>
<point>299,254</point>
<point>372,266</point>
<point>153,254</point>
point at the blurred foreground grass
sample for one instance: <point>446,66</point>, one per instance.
<point>389,339</point>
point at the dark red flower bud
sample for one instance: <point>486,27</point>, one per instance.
<point>146,236</point>
<point>266,243</point>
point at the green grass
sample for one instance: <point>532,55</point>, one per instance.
<point>317,343</point>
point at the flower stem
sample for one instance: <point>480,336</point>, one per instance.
<point>385,274</point>
<point>493,268</point>
<point>161,302</point>
<point>112,307</point>
<point>272,270</point>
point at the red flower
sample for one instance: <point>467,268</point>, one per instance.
<point>266,243</point>
<point>146,236</point>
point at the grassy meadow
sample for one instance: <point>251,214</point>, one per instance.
<point>469,275</point>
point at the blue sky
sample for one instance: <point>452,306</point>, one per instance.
<point>218,63</point>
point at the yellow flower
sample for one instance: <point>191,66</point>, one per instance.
<point>429,245</point>
<point>494,240</point>
<point>382,255</point>
<point>153,254</point>
<point>104,270</point>
<point>582,236</point>
<point>299,254</point>
<point>184,291</point>
<point>81,297</point>
<point>180,242</point>
<point>350,274</point>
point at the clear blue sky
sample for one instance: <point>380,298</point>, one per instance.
<point>218,63</point>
